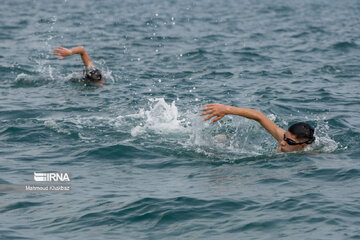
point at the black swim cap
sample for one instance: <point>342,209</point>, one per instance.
<point>92,74</point>
<point>303,131</point>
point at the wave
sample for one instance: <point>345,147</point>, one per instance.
<point>120,152</point>
<point>331,174</point>
<point>251,55</point>
<point>155,213</point>
<point>26,80</point>
<point>215,75</point>
<point>329,69</point>
<point>24,206</point>
<point>344,45</point>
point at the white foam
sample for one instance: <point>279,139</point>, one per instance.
<point>101,64</point>
<point>52,124</point>
<point>323,141</point>
<point>44,68</point>
<point>160,118</point>
<point>22,76</point>
<point>24,79</point>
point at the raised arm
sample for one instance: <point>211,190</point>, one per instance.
<point>64,52</point>
<point>219,111</point>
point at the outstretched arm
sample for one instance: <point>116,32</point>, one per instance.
<point>219,111</point>
<point>64,52</point>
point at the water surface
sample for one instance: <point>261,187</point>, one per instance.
<point>143,164</point>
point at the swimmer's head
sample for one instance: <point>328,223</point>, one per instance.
<point>297,137</point>
<point>303,131</point>
<point>92,75</point>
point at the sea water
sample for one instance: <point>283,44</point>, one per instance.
<point>142,163</point>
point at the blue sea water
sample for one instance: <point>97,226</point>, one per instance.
<point>143,164</point>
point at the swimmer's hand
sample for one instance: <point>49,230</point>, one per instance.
<point>214,110</point>
<point>63,52</point>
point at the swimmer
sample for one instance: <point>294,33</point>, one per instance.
<point>297,137</point>
<point>90,74</point>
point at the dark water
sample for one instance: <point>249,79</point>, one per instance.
<point>143,164</point>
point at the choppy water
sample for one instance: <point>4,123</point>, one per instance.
<point>143,164</point>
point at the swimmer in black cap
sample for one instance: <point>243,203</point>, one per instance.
<point>91,74</point>
<point>297,137</point>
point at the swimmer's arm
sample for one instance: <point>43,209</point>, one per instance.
<point>219,111</point>
<point>64,52</point>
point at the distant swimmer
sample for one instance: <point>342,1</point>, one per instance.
<point>90,74</point>
<point>297,137</point>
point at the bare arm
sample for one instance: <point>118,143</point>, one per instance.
<point>64,52</point>
<point>219,111</point>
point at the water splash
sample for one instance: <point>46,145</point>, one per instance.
<point>27,80</point>
<point>323,142</point>
<point>56,126</point>
<point>229,139</point>
<point>161,118</point>
<point>44,68</point>
<point>107,73</point>
<point>235,137</point>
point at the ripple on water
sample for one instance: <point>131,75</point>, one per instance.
<point>159,214</point>
<point>118,153</point>
<point>331,174</point>
<point>344,46</point>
